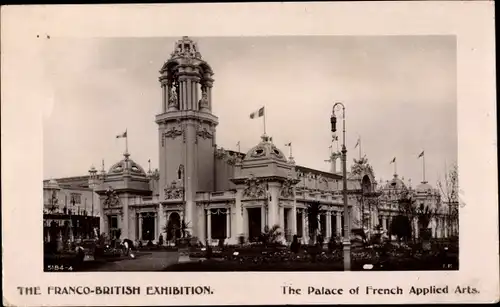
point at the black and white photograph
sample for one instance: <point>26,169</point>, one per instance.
<point>253,153</point>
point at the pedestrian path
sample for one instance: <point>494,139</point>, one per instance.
<point>155,261</point>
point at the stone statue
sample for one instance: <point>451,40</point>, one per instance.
<point>203,103</point>
<point>173,99</point>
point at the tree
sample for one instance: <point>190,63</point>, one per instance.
<point>401,227</point>
<point>270,235</point>
<point>449,192</point>
<point>407,211</point>
<point>313,210</point>
<point>425,214</point>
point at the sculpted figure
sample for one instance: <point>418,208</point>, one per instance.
<point>173,99</point>
<point>203,103</point>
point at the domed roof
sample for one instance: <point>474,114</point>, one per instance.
<point>52,184</point>
<point>127,165</point>
<point>265,150</point>
<point>424,187</point>
<point>395,184</point>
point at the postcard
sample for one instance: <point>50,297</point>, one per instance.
<point>264,153</point>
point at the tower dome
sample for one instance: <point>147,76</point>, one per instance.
<point>127,166</point>
<point>424,187</point>
<point>52,185</point>
<point>395,184</point>
<point>185,47</point>
<point>265,150</point>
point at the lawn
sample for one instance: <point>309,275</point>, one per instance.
<point>259,258</point>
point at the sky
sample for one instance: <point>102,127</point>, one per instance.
<point>399,93</point>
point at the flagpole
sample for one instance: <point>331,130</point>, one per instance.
<point>126,141</point>
<point>264,120</point>
<point>359,148</point>
<point>423,166</point>
<point>239,148</point>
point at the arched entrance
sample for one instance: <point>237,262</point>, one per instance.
<point>173,226</point>
<point>366,184</point>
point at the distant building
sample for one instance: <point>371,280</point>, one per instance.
<point>223,194</point>
<point>70,209</point>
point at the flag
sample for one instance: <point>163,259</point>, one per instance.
<point>288,144</point>
<point>393,160</point>
<point>421,154</point>
<point>123,135</point>
<point>238,144</point>
<point>357,144</point>
<point>258,113</point>
<point>149,161</point>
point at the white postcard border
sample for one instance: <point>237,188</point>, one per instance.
<point>26,98</point>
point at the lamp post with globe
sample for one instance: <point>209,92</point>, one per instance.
<point>346,243</point>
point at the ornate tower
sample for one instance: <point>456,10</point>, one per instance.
<point>186,127</point>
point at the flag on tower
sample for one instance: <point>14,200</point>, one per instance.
<point>258,113</point>
<point>357,144</point>
<point>393,160</point>
<point>123,135</point>
<point>421,154</point>
<point>288,144</point>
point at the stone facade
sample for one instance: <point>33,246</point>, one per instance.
<point>215,194</point>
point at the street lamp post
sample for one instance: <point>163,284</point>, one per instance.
<point>346,243</point>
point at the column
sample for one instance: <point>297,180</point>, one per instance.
<point>263,216</point>
<point>125,230</point>
<point>164,97</point>
<point>183,94</point>
<point>228,223</point>
<point>304,226</point>
<point>167,95</point>
<point>195,93</point>
<point>140,226</point>
<point>202,230</point>
<point>132,225</point>
<point>209,95</point>
<point>328,225</point>
<point>103,219</point>
<point>209,226</point>
<point>189,92</point>
<point>238,216</point>
<point>273,209</point>
<point>293,219</point>
<point>339,225</point>
<point>384,223</point>
<point>281,210</point>
<point>245,223</point>
<point>162,222</point>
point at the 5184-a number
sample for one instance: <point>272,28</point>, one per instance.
<point>56,267</point>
